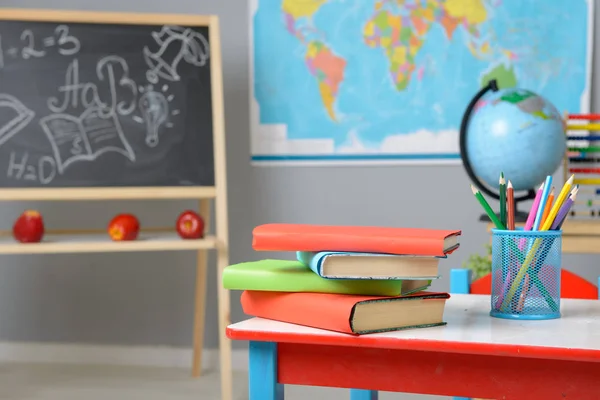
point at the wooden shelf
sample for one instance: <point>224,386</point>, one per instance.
<point>116,193</point>
<point>96,243</point>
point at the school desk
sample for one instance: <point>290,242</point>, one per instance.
<point>475,355</point>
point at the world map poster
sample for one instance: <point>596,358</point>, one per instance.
<point>387,81</point>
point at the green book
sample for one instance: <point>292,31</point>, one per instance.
<point>294,276</point>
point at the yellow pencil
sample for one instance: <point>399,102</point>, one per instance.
<point>564,192</point>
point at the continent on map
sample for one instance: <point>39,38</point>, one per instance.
<point>328,69</point>
<point>401,36</point>
<point>296,9</point>
<point>301,8</point>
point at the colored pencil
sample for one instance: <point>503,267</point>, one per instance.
<point>531,216</point>
<point>504,289</point>
<point>537,243</point>
<point>510,207</point>
<point>534,207</point>
<point>486,207</point>
<point>502,190</point>
<point>564,192</point>
<point>556,225</point>
<point>564,209</point>
<point>538,215</point>
<point>548,205</point>
<point>526,284</point>
<point>490,213</point>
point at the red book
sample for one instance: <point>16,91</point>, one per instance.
<point>346,313</point>
<point>365,239</point>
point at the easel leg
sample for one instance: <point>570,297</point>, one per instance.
<point>358,394</point>
<point>200,296</point>
<point>263,372</point>
<point>224,322</point>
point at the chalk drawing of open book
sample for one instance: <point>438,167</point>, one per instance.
<point>176,44</point>
<point>14,116</point>
<point>84,138</point>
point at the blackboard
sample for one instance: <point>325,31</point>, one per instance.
<point>97,105</point>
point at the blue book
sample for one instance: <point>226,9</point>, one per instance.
<point>350,265</point>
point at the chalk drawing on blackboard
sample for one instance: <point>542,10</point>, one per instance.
<point>14,116</point>
<point>29,50</point>
<point>176,44</point>
<point>155,110</point>
<point>76,93</point>
<point>84,138</point>
<point>25,168</point>
<point>124,81</point>
<point>68,44</point>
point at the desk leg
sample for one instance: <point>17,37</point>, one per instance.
<point>263,372</point>
<point>358,394</point>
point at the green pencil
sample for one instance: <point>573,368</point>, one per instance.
<point>486,207</point>
<point>502,187</point>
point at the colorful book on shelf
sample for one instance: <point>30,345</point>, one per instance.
<point>350,265</point>
<point>347,313</point>
<point>294,276</point>
<point>367,239</point>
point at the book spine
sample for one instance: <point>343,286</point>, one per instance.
<point>312,260</point>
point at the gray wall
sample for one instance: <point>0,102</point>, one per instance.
<point>146,299</point>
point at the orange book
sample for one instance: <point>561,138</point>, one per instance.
<point>366,239</point>
<point>346,313</point>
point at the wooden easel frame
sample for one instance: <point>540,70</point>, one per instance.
<point>216,193</point>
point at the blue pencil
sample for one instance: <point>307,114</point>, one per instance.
<point>540,211</point>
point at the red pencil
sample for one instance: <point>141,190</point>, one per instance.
<point>510,207</point>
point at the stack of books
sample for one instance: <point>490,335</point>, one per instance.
<point>350,279</point>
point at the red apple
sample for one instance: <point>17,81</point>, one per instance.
<point>124,227</point>
<point>29,227</point>
<point>190,225</point>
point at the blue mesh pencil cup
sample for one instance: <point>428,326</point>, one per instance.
<point>526,274</point>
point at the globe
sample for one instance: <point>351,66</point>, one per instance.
<point>517,132</point>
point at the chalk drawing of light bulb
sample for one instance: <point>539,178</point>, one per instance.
<point>155,112</point>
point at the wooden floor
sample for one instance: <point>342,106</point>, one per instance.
<point>76,382</point>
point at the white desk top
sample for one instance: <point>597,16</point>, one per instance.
<point>470,329</point>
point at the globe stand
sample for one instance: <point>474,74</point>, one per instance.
<point>520,216</point>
